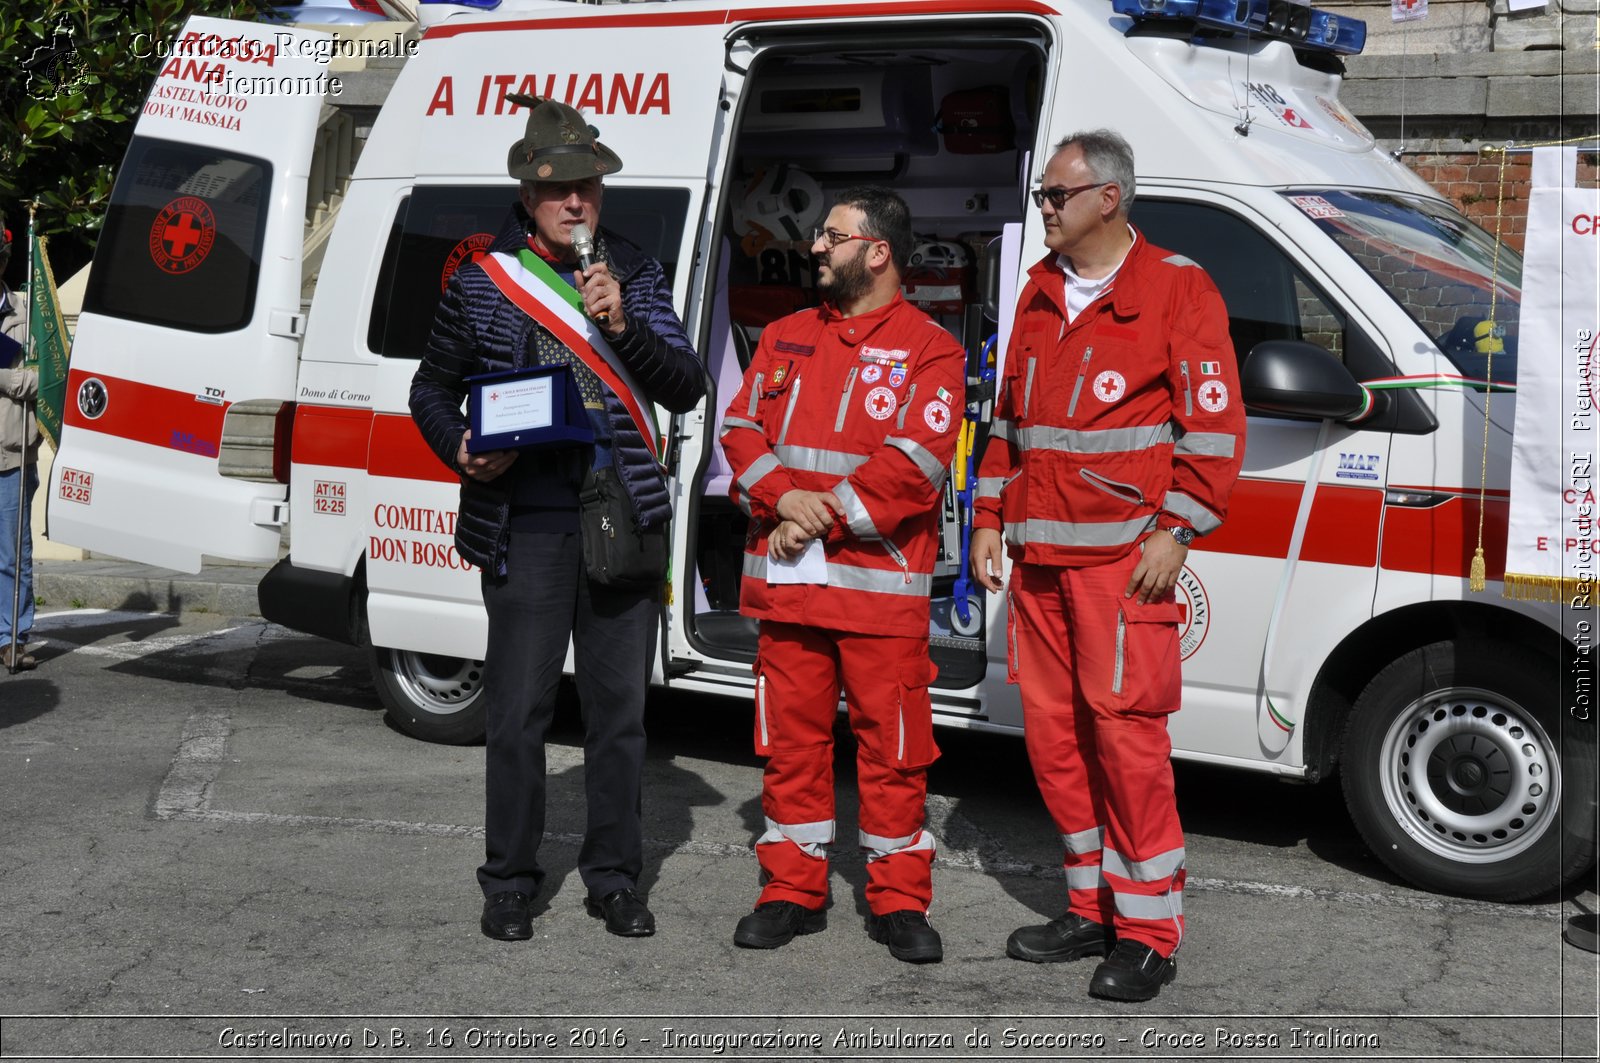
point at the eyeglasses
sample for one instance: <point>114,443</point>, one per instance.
<point>1058,196</point>
<point>836,238</point>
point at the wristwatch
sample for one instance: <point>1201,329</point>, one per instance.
<point>1184,536</point>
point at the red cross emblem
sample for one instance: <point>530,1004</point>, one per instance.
<point>881,403</point>
<point>1110,386</point>
<point>1214,396</point>
<point>937,415</point>
<point>494,396</point>
<point>182,235</point>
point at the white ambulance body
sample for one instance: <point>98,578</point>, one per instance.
<point>1328,623</point>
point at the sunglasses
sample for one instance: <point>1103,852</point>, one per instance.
<point>1058,196</point>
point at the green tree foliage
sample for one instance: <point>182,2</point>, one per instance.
<point>75,76</point>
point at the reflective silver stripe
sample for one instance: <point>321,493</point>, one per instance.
<point>878,847</point>
<point>989,486</point>
<point>1083,371</point>
<point>1085,878</point>
<point>856,578</point>
<point>794,400</point>
<point>755,395</point>
<point>855,512</point>
<point>1188,389</point>
<point>1158,868</point>
<point>743,502</point>
<point>758,469</point>
<point>1001,428</point>
<point>810,837</point>
<point>900,422</point>
<point>1084,842</point>
<point>1179,260</point>
<point>1212,444</point>
<point>844,400</point>
<point>1103,441</point>
<point>1199,517</point>
<point>1027,388</point>
<point>814,459</point>
<point>1069,533</point>
<point>761,708</point>
<point>1121,656</point>
<point>738,422</point>
<point>931,467</point>
<point>1138,906</point>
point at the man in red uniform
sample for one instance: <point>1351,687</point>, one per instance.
<point>840,440</point>
<point>1117,437</point>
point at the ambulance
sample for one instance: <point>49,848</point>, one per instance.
<point>1328,625</point>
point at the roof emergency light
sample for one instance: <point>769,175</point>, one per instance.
<point>1287,20</point>
<point>1337,33</point>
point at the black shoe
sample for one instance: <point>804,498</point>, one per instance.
<point>1133,971</point>
<point>908,936</point>
<point>505,916</point>
<point>1071,937</point>
<point>775,924</point>
<point>624,912</point>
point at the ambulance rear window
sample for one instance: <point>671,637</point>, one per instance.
<point>181,246</point>
<point>440,228</point>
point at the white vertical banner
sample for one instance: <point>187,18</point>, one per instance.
<point>1551,542</point>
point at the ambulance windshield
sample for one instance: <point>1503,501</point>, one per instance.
<point>1440,267</point>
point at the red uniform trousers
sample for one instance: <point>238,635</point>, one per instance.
<point>885,679</point>
<point>1099,673</point>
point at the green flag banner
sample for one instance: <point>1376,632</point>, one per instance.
<point>47,341</point>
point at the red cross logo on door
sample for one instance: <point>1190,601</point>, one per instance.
<point>182,235</point>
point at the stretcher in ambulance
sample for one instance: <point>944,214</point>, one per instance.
<point>1327,625</point>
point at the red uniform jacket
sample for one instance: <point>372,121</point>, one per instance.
<point>1126,420</point>
<point>868,407</point>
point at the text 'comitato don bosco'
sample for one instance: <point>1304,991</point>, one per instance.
<point>404,550</point>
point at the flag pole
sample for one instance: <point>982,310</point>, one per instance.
<point>15,658</point>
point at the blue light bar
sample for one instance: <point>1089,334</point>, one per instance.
<point>1336,33</point>
<point>1302,26</point>
<point>1248,15</point>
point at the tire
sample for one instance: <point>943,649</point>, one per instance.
<point>1462,775</point>
<point>430,696</point>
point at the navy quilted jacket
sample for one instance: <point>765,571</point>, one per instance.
<point>478,330</point>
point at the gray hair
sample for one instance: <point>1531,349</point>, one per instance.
<point>1108,157</point>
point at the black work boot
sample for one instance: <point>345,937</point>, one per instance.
<point>908,936</point>
<point>1133,971</point>
<point>1071,937</point>
<point>775,924</point>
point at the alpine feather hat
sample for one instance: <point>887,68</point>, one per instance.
<point>557,145</point>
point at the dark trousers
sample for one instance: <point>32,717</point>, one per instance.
<point>544,600</point>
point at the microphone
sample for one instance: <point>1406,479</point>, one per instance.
<point>583,246</point>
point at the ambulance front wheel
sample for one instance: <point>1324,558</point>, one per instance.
<point>430,696</point>
<point>1464,776</point>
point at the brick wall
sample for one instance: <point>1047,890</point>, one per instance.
<point>1473,182</point>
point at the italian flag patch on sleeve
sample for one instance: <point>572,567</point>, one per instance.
<point>1210,368</point>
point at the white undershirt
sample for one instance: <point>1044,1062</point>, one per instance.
<point>1080,292</point>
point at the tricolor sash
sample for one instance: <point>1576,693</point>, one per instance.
<point>538,292</point>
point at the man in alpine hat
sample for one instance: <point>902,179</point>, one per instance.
<point>519,519</point>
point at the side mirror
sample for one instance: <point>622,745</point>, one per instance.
<point>1297,379</point>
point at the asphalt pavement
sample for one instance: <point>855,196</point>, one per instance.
<point>214,848</point>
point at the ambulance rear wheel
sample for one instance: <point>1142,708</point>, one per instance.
<point>1462,775</point>
<point>430,696</point>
